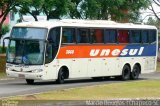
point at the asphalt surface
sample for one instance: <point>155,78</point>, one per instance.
<point>19,87</point>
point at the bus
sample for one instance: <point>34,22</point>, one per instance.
<point>66,49</point>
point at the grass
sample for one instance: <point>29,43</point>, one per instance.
<point>158,67</point>
<point>2,75</point>
<point>136,89</point>
<point>2,66</point>
<point>2,63</point>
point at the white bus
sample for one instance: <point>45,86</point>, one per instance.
<point>65,49</point>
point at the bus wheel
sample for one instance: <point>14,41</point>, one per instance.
<point>126,73</point>
<point>61,76</point>
<point>30,81</point>
<point>135,72</point>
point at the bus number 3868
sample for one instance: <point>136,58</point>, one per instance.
<point>69,51</point>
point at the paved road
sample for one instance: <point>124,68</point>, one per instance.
<point>19,86</point>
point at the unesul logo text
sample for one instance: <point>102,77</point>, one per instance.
<point>116,52</point>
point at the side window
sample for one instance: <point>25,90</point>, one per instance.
<point>110,36</point>
<point>96,35</point>
<point>145,37</point>
<point>68,35</point>
<point>83,36</point>
<point>123,36</point>
<point>135,36</point>
<point>152,36</point>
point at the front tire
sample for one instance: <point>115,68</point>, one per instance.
<point>135,72</point>
<point>30,81</point>
<point>61,77</point>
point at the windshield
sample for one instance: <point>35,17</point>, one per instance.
<point>29,33</point>
<point>27,52</point>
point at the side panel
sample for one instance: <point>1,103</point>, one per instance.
<point>52,69</point>
<point>78,67</point>
<point>95,67</point>
<point>105,60</point>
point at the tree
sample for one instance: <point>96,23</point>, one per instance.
<point>5,29</point>
<point>89,9</point>
<point>55,9</point>
<point>73,11</point>
<point>32,7</point>
<point>154,22</point>
<point>5,7</point>
<point>157,4</point>
<point>117,10</point>
<point>92,9</point>
<point>134,7</point>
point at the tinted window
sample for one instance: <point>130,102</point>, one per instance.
<point>68,35</point>
<point>29,33</point>
<point>97,35</point>
<point>152,36</point>
<point>54,36</point>
<point>123,36</point>
<point>83,36</point>
<point>145,37</point>
<point>110,36</point>
<point>53,44</point>
<point>135,36</point>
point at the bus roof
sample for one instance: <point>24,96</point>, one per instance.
<point>83,23</point>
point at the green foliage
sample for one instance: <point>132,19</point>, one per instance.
<point>105,9</point>
<point>55,9</point>
<point>85,9</point>
<point>81,9</point>
<point>2,50</point>
<point>32,7</point>
<point>74,9</point>
<point>5,29</point>
<point>6,6</point>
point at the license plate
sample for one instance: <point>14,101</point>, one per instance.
<point>21,76</point>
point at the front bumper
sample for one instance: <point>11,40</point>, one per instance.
<point>25,75</point>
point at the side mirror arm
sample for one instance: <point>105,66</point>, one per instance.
<point>4,42</point>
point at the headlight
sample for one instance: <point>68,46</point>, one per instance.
<point>8,69</point>
<point>37,70</point>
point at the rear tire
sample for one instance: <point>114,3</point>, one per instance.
<point>61,76</point>
<point>126,73</point>
<point>135,72</point>
<point>30,81</point>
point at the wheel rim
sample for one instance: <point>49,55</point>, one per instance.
<point>62,76</point>
<point>135,72</point>
<point>126,73</point>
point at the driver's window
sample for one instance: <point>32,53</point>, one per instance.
<point>54,36</point>
<point>53,44</point>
